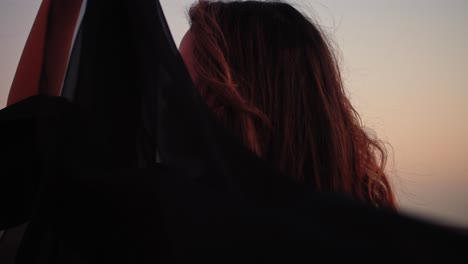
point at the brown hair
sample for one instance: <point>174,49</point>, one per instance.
<point>270,76</point>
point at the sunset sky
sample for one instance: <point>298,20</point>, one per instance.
<point>405,65</point>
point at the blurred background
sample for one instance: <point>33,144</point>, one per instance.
<point>405,67</point>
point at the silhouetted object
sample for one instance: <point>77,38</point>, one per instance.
<point>83,171</point>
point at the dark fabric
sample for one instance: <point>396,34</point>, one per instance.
<point>10,241</point>
<point>175,214</point>
<point>83,173</point>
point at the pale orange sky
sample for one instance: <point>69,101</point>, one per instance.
<point>405,65</point>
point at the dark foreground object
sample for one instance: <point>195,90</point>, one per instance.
<point>132,168</point>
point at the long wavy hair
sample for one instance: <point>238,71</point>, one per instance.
<point>272,78</point>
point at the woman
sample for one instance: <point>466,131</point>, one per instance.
<point>270,76</point>
<point>71,172</point>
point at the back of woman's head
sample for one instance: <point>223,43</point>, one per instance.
<point>270,76</point>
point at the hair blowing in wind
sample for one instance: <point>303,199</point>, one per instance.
<point>271,77</point>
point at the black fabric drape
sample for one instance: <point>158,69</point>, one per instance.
<point>83,171</point>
